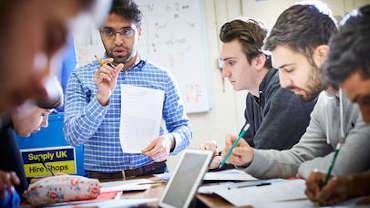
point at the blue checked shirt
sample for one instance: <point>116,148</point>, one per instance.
<point>97,127</point>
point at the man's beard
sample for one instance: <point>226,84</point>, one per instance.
<point>120,59</point>
<point>314,86</point>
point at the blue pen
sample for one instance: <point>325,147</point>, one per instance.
<point>234,145</point>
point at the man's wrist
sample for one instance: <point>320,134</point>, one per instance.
<point>101,100</point>
<point>247,164</point>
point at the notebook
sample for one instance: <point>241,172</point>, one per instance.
<point>185,180</point>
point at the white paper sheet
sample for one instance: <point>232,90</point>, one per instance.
<point>307,204</point>
<point>210,189</point>
<point>166,176</point>
<point>121,185</point>
<point>228,175</point>
<point>105,203</point>
<point>141,115</point>
<point>256,195</point>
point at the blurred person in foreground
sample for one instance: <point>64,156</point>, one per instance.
<point>33,34</point>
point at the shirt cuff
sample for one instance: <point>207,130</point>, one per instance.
<point>257,165</point>
<point>177,140</point>
<point>94,111</point>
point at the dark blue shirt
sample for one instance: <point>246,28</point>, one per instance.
<point>278,118</point>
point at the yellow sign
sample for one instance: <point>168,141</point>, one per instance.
<point>58,159</point>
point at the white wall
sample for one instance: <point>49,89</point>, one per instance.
<point>227,114</point>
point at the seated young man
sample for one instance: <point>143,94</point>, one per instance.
<point>348,67</point>
<point>299,49</point>
<point>269,107</point>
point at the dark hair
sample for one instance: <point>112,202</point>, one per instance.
<point>127,9</point>
<point>302,28</point>
<point>349,49</point>
<point>250,34</point>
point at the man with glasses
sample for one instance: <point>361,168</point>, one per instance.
<point>93,103</point>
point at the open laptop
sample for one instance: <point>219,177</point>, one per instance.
<point>185,180</point>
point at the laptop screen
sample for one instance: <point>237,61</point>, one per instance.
<point>186,178</point>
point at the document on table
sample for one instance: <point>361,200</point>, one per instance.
<point>126,185</point>
<point>256,195</point>
<point>211,189</point>
<point>228,175</point>
<point>114,203</point>
<point>141,115</point>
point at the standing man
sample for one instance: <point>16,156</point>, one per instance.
<point>269,107</point>
<point>299,48</point>
<point>93,103</point>
<point>347,66</point>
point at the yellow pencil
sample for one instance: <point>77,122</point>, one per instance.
<point>101,62</point>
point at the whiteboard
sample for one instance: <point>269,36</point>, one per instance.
<point>174,37</point>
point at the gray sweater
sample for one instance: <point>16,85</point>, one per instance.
<point>332,120</point>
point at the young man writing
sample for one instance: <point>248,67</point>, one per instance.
<point>269,107</point>
<point>348,67</point>
<point>298,49</point>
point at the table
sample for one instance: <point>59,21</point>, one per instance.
<point>157,190</point>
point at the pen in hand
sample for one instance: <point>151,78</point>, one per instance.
<point>234,145</point>
<point>46,166</point>
<point>332,164</point>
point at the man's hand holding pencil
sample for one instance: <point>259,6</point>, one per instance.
<point>105,80</point>
<point>241,154</point>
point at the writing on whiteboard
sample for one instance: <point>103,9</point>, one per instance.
<point>193,93</point>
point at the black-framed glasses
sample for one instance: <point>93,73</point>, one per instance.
<point>125,32</point>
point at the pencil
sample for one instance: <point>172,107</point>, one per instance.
<point>101,62</point>
<point>332,164</point>
<point>234,145</point>
<point>46,166</point>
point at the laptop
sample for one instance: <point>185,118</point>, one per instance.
<point>185,180</point>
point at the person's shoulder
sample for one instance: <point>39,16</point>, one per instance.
<point>273,82</point>
<point>152,67</point>
<point>322,105</point>
<point>160,72</point>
